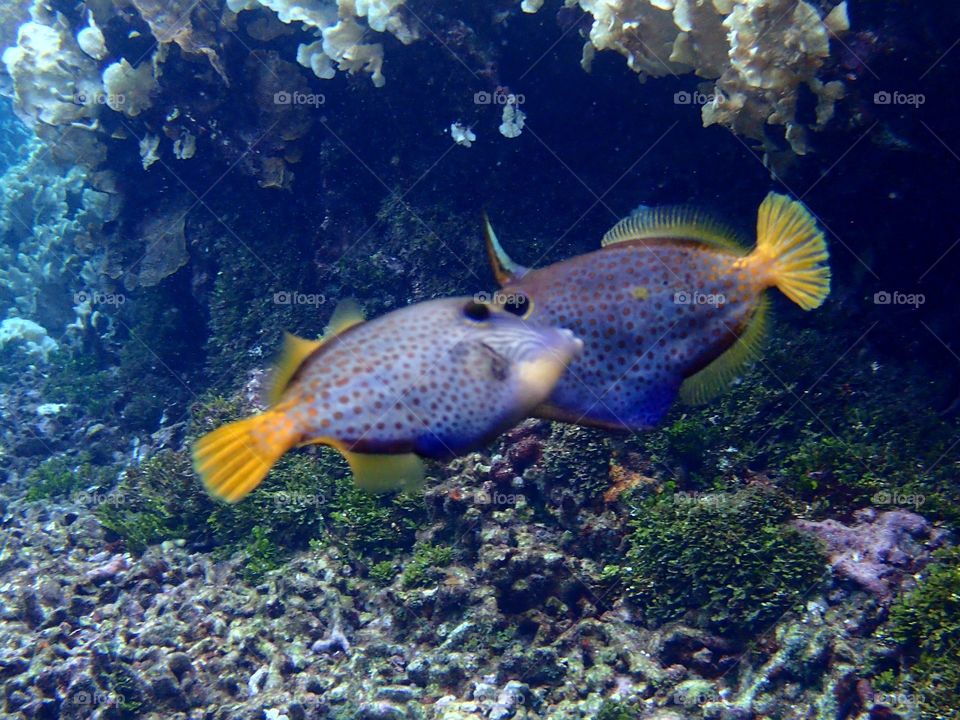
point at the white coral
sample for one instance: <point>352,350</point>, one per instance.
<point>342,28</point>
<point>758,52</point>
<point>54,81</point>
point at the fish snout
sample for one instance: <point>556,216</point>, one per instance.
<point>564,347</point>
<point>540,372</point>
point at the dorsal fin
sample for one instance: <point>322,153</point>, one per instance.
<point>504,269</point>
<point>715,377</point>
<point>297,349</point>
<point>679,222</point>
<point>347,314</point>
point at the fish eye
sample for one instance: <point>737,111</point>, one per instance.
<point>517,304</point>
<point>476,311</point>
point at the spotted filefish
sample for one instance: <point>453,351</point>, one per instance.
<point>673,304</point>
<point>431,380</point>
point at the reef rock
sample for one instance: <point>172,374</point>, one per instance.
<point>879,549</point>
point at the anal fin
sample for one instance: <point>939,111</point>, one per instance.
<point>382,473</point>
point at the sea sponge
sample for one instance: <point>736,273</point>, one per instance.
<point>758,52</point>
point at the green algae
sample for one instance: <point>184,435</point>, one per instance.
<point>728,559</point>
<point>307,496</point>
<point>618,710</point>
<point>61,476</point>
<point>837,435</point>
<point>423,568</point>
<point>925,623</point>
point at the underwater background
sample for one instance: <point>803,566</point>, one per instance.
<point>184,181</point>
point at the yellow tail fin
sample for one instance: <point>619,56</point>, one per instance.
<point>789,239</point>
<point>234,459</point>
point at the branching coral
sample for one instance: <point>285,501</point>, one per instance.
<point>758,52</point>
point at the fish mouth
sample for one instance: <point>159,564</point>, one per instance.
<point>538,375</point>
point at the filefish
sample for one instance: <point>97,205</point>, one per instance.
<point>672,305</point>
<point>431,380</point>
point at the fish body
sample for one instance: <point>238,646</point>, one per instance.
<point>432,380</point>
<point>671,305</point>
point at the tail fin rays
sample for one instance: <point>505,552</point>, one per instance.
<point>788,237</point>
<point>234,459</point>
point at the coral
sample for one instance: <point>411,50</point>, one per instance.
<point>32,338</point>
<point>173,21</point>
<point>128,89</point>
<point>54,81</point>
<point>758,53</point>
<point>728,557</point>
<point>51,227</point>
<point>342,34</point>
<point>879,549</point>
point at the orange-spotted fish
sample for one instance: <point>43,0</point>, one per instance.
<point>434,380</point>
<point>671,305</point>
